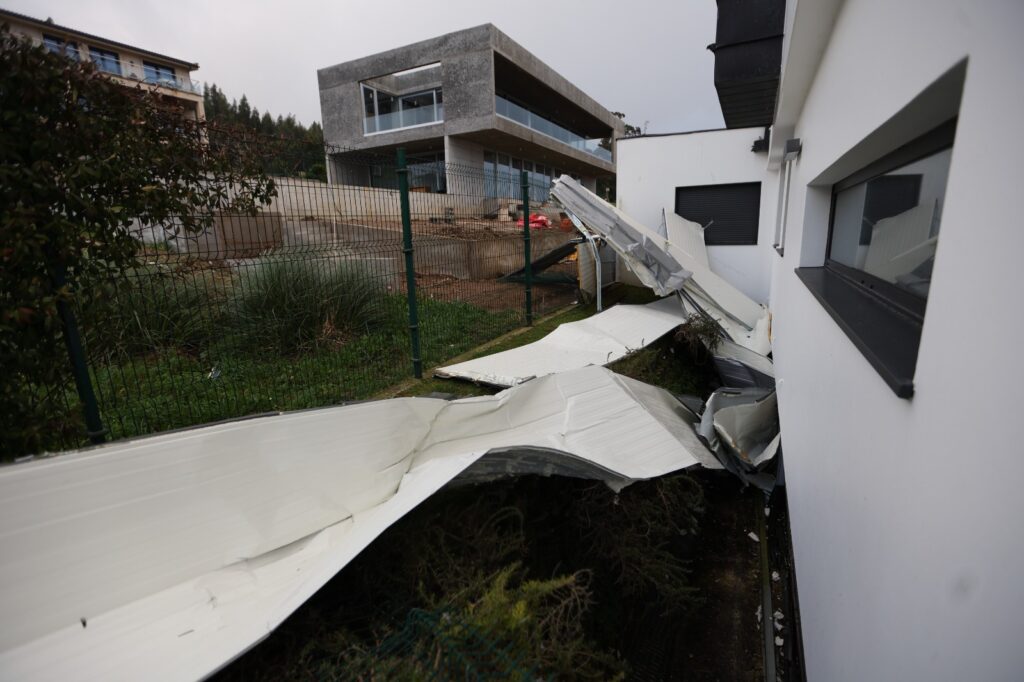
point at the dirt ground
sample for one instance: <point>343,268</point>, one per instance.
<point>459,228</point>
<point>494,295</point>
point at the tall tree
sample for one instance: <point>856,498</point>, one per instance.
<point>81,159</point>
<point>290,148</point>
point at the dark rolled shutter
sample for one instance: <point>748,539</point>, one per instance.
<point>734,208</point>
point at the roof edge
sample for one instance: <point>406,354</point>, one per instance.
<point>43,24</point>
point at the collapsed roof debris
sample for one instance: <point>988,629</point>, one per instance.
<point>741,426</point>
<point>183,550</point>
<point>739,422</point>
<point>597,340</point>
<point>673,260</point>
<point>668,267</point>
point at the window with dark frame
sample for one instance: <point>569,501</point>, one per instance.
<point>158,73</point>
<point>883,235</point>
<point>105,60</point>
<point>885,219</point>
<point>60,46</point>
<point>730,212</point>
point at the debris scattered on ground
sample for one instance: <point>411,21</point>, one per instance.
<point>753,536</point>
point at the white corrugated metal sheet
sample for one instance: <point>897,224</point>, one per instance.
<point>597,340</point>
<point>166,557</point>
<point>676,261</point>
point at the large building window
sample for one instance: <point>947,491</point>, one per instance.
<point>883,234</point>
<point>105,60</point>
<point>503,177</point>
<point>402,100</point>
<point>885,219</point>
<point>60,46</point>
<point>731,213</point>
<point>158,74</point>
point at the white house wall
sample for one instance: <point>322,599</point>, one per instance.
<point>649,169</point>
<point>906,514</point>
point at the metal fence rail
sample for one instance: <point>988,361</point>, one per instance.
<point>327,295</point>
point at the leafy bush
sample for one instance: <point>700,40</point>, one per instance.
<point>83,157</point>
<point>289,306</point>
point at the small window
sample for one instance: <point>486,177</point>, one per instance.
<point>729,212</point>
<point>62,47</point>
<point>105,60</point>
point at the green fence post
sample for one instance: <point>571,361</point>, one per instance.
<point>410,272</point>
<point>79,368</point>
<point>528,267</point>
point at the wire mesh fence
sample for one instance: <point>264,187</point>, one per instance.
<point>306,303</point>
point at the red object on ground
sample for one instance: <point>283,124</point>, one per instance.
<point>537,221</point>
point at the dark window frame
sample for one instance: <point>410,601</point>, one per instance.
<point>882,320</point>
<point>158,73</point>
<point>66,47</point>
<point>711,238</point>
<point>934,141</point>
<point>100,56</point>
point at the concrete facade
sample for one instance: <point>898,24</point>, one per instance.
<point>475,65</point>
<point>177,88</point>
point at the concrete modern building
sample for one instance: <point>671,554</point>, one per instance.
<point>168,77</point>
<point>885,239</point>
<point>473,98</point>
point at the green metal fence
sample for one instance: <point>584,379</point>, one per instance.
<point>332,293</point>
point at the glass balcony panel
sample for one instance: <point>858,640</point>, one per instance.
<point>511,110</point>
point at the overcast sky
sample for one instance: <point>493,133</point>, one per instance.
<point>647,58</point>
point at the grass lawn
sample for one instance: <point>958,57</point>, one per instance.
<point>519,337</point>
<point>169,389</point>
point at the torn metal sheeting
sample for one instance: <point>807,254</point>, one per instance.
<point>641,248</point>
<point>656,260</point>
<point>687,235</point>
<point>735,374</point>
<point>164,558</point>
<point>741,426</point>
<point>596,340</point>
<point>756,338</point>
<point>740,367</point>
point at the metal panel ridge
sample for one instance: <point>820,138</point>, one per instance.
<point>165,558</point>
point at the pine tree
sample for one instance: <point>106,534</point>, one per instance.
<point>293,149</point>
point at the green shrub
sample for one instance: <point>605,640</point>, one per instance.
<point>81,159</point>
<point>290,306</point>
<point>151,309</point>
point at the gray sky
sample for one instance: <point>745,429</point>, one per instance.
<point>646,58</point>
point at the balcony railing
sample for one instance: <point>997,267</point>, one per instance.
<point>160,79</point>
<point>512,111</point>
<point>404,118</point>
